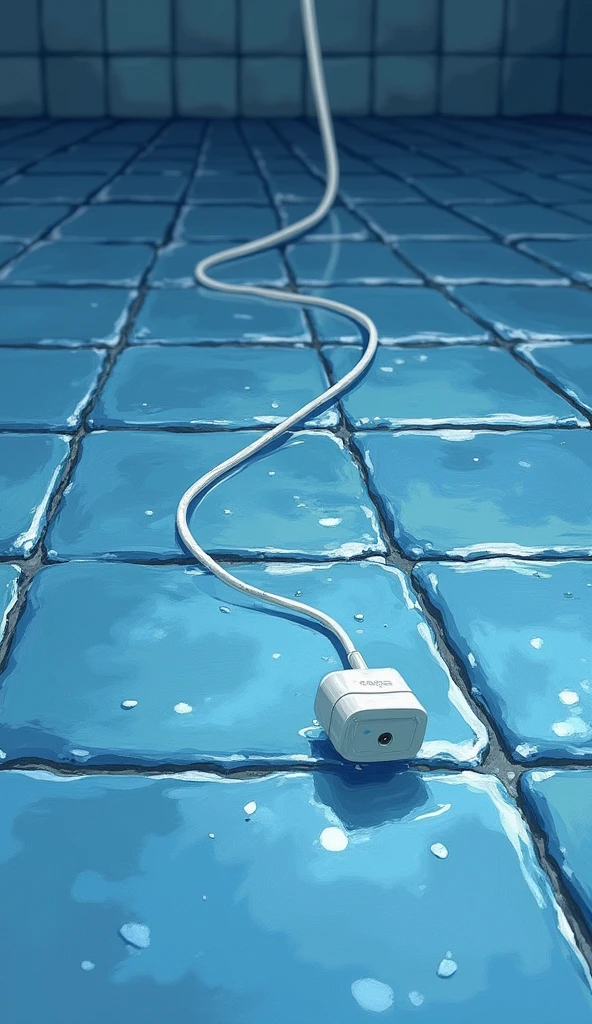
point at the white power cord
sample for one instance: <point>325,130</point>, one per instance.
<point>319,89</point>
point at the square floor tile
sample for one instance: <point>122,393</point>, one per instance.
<point>46,389</point>
<point>310,873</point>
<point>81,263</point>
<point>30,469</point>
<point>236,188</point>
<point>305,500</point>
<point>455,262</point>
<point>296,187</point>
<point>450,386</point>
<point>220,386</point>
<point>401,315</point>
<point>418,221</point>
<point>9,577</point>
<point>233,223</point>
<point>526,220</point>
<point>67,188</point>
<point>339,223</point>
<point>531,314</point>
<point>341,262</point>
<point>175,267</point>
<point>24,223</point>
<point>145,188</point>
<point>191,317</point>
<point>374,187</point>
<point>567,366</point>
<point>542,190</point>
<point>63,316</point>
<point>463,189</point>
<point>560,800</point>
<point>147,617</point>
<point>469,494</point>
<point>522,631</point>
<point>573,257</point>
<point>118,222</point>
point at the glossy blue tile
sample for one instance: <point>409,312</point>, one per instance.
<point>421,220</point>
<point>63,164</point>
<point>298,187</point>
<point>567,366</point>
<point>228,189</point>
<point>450,386</point>
<point>371,188</point>
<point>531,314</point>
<point>191,317</point>
<point>118,222</point>
<point>224,386</point>
<point>9,577</point>
<point>401,315</point>
<point>145,188</point>
<point>561,802</point>
<point>573,258</point>
<point>24,223</point>
<point>463,189</point>
<point>308,880</point>
<point>30,469</point>
<point>408,165</point>
<point>526,220</point>
<point>339,223</point>
<point>250,657</point>
<point>80,263</point>
<point>469,494</point>
<point>232,223</point>
<point>306,499</point>
<point>455,262</point>
<point>176,264</point>
<point>73,316</point>
<point>53,188</point>
<point>340,262</point>
<point>46,390</point>
<point>522,631</point>
<point>543,190</point>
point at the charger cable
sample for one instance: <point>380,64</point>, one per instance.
<point>369,332</point>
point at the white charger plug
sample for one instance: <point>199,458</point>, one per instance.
<point>370,714</point>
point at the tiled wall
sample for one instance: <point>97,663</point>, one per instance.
<point>156,58</point>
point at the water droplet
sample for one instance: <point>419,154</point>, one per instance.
<point>276,656</point>
<point>297,593</point>
<point>439,850</point>
<point>526,465</point>
<point>149,512</point>
<point>137,935</point>
<point>204,897</point>
<point>536,642</point>
<point>211,835</point>
<point>127,704</point>
<point>475,459</point>
<point>87,965</point>
<point>329,522</point>
<point>373,995</point>
<point>569,697</point>
<point>80,753</point>
<point>3,755</point>
<point>568,593</point>
<point>511,775</point>
<point>182,709</point>
<point>416,998</point>
<point>271,472</point>
<point>247,387</point>
<point>227,512</point>
<point>250,808</point>
<point>275,405</point>
<point>446,968</point>
<point>386,369</point>
<point>223,608</point>
<point>333,839</point>
<point>359,616</point>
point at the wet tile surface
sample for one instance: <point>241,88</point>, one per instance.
<point>138,934</point>
<point>448,386</point>
<point>561,802</point>
<point>252,702</point>
<point>208,388</point>
<point>570,257</point>
<point>81,264</point>
<point>470,494</point>
<point>401,315</point>
<point>57,316</point>
<point>127,485</point>
<point>175,267</point>
<point>567,366</point>
<point>454,262</point>
<point>9,576</point>
<point>530,314</point>
<point>46,390</point>
<point>341,262</point>
<point>30,469</point>
<point>219,222</point>
<point>522,631</point>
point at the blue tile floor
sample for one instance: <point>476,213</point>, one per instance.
<point>212,857</point>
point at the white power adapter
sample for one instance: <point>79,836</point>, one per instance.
<point>370,715</point>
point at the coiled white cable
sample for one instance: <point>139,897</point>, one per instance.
<point>319,90</point>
